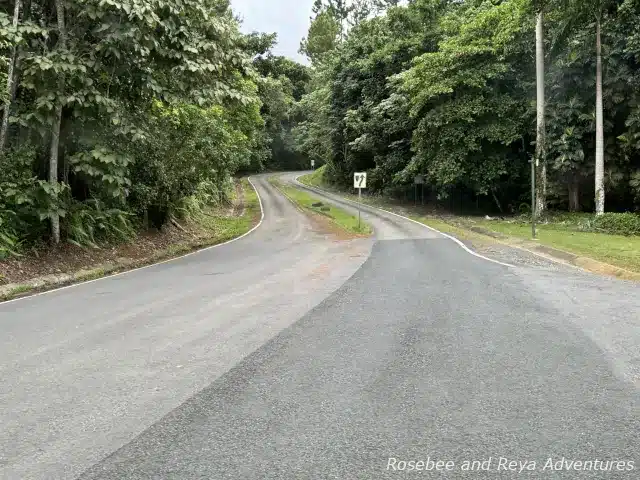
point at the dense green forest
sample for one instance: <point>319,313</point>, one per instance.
<point>447,89</point>
<point>118,113</point>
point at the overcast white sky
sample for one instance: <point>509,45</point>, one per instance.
<point>288,18</point>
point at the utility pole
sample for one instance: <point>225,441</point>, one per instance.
<point>533,196</point>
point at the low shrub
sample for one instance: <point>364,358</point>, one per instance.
<point>9,237</point>
<point>617,223</point>
<point>612,223</point>
<point>90,223</point>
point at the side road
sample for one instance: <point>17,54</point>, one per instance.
<point>605,308</point>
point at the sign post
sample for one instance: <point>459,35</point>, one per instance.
<point>313,164</point>
<point>359,182</point>
<point>418,180</point>
<point>534,165</point>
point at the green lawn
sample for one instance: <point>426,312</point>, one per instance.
<point>618,250</point>
<point>460,233</point>
<point>340,217</point>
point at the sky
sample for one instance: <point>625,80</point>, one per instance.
<point>288,18</point>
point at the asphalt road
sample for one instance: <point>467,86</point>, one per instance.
<point>86,369</point>
<point>283,355</point>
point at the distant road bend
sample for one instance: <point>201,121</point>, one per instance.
<point>293,354</point>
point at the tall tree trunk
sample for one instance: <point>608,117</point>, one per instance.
<point>57,120</point>
<point>574,194</point>
<point>599,125</point>
<point>16,73</point>
<point>541,163</point>
<point>10,83</point>
<point>495,198</point>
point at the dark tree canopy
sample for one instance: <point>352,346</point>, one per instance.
<point>447,89</point>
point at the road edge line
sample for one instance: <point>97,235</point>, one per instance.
<point>26,297</point>
<point>458,242</point>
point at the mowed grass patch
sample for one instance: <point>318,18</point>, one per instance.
<point>309,202</point>
<point>466,236</point>
<point>618,250</point>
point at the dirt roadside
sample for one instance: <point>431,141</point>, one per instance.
<point>44,268</point>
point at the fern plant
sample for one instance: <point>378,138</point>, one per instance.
<point>9,239</point>
<point>91,223</point>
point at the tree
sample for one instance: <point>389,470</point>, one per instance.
<point>57,120</point>
<point>260,44</point>
<point>323,37</point>
<point>125,109</point>
<point>299,75</point>
<point>282,81</point>
<point>540,157</point>
<point>448,89</point>
<point>10,81</point>
<point>370,123</point>
<point>470,100</point>
<point>577,13</point>
<point>332,21</point>
<point>599,176</point>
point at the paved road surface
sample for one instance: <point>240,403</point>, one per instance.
<point>425,352</point>
<point>86,369</point>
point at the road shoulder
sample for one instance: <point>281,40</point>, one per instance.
<point>40,271</point>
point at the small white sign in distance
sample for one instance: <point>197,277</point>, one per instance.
<point>313,163</point>
<point>360,180</point>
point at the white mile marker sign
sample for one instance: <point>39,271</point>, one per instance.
<point>359,182</point>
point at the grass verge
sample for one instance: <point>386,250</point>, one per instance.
<point>607,254</point>
<point>211,227</point>
<point>314,204</point>
<point>469,237</point>
<point>618,250</point>
<point>314,179</point>
<point>224,228</point>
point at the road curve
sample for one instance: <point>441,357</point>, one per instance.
<point>426,353</point>
<point>86,369</point>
